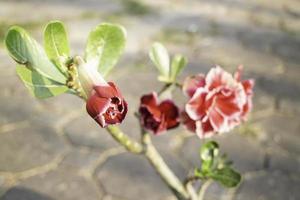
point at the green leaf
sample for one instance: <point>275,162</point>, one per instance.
<point>199,173</point>
<point>160,57</point>
<point>39,86</point>
<point>56,44</point>
<point>209,150</point>
<point>25,50</point>
<point>209,156</point>
<point>105,46</point>
<point>178,64</point>
<point>226,176</point>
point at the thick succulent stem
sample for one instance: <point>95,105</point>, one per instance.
<point>123,139</point>
<point>162,169</point>
<point>149,151</point>
<point>154,158</point>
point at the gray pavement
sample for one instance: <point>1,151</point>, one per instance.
<point>52,150</point>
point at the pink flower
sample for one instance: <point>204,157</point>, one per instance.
<point>218,102</point>
<point>158,117</point>
<point>106,105</point>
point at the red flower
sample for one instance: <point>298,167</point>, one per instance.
<point>218,102</point>
<point>158,117</point>
<point>106,105</point>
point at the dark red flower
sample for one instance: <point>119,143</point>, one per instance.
<point>158,117</point>
<point>106,105</point>
<point>218,102</point>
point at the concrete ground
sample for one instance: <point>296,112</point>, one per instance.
<point>51,149</point>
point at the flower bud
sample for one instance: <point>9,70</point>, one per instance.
<point>105,104</point>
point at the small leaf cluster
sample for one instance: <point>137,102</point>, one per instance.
<point>215,166</point>
<point>50,71</point>
<point>168,71</point>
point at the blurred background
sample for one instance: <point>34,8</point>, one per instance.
<point>51,149</point>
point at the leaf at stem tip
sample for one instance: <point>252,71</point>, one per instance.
<point>38,85</point>
<point>160,57</point>
<point>104,47</point>
<point>56,44</point>
<point>25,50</point>
<point>209,150</point>
<point>178,64</point>
<point>226,176</point>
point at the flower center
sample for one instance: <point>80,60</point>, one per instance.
<point>114,109</point>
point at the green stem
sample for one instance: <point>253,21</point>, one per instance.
<point>150,152</point>
<point>124,140</point>
<point>203,189</point>
<point>162,169</point>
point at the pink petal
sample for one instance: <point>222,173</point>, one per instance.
<point>191,84</point>
<point>228,105</point>
<point>238,73</point>
<point>196,105</point>
<point>216,120</point>
<point>204,129</point>
<point>217,77</point>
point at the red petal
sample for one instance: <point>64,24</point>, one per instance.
<point>248,86</point>
<point>149,99</point>
<point>150,102</point>
<point>108,91</point>
<point>191,84</point>
<point>188,122</point>
<point>96,106</point>
<point>161,128</point>
<point>148,121</point>
<point>170,112</point>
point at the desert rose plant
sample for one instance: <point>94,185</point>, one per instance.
<point>216,102</point>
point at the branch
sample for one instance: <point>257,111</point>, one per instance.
<point>203,189</point>
<point>162,169</point>
<point>124,140</point>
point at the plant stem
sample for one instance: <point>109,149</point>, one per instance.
<point>203,189</point>
<point>189,187</point>
<point>162,169</point>
<point>123,139</point>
